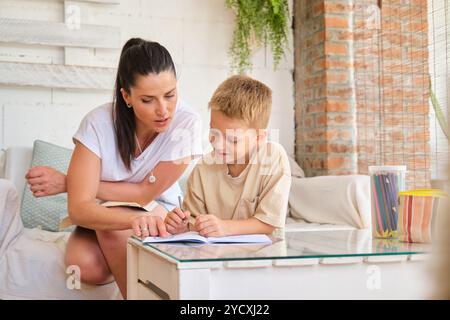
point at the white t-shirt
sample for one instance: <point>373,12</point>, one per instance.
<point>181,139</point>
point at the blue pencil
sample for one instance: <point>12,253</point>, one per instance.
<point>392,179</point>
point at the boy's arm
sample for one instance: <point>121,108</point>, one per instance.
<point>274,196</point>
<point>248,226</point>
<point>211,226</point>
<point>269,214</point>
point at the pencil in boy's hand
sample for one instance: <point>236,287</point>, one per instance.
<point>180,204</point>
<point>192,216</point>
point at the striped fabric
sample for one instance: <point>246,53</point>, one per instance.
<point>418,213</point>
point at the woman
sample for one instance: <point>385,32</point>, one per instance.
<point>134,149</point>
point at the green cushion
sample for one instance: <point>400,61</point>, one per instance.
<point>46,212</point>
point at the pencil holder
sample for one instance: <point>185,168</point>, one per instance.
<point>385,184</point>
<point>418,213</point>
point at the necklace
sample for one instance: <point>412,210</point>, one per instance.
<point>151,178</point>
<point>139,145</point>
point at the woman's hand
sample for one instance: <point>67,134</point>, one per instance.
<point>177,221</point>
<point>209,225</point>
<point>146,225</point>
<point>46,181</point>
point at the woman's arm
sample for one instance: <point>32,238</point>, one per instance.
<point>83,179</point>
<point>166,173</point>
<point>46,181</point>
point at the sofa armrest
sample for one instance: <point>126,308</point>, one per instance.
<point>10,223</point>
<point>17,163</point>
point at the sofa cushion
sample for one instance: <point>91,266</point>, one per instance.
<point>46,212</point>
<point>338,200</point>
<point>296,170</point>
<point>296,225</point>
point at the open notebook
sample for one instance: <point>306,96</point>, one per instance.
<point>196,238</point>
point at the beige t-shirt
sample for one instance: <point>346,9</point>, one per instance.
<point>260,191</point>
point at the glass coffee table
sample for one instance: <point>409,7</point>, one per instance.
<point>345,264</point>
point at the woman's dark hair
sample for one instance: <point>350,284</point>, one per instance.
<point>138,57</point>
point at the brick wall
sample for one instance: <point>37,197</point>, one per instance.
<point>362,87</point>
<point>325,94</point>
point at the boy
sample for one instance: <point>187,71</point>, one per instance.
<point>242,187</point>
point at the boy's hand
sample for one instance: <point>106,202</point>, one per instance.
<point>177,221</point>
<point>208,225</point>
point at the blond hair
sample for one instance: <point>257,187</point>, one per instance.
<point>241,97</point>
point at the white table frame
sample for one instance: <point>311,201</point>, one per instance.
<point>154,275</point>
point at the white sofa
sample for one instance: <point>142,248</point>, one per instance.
<point>32,260</point>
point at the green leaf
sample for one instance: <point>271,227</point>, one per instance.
<point>275,6</point>
<point>438,112</point>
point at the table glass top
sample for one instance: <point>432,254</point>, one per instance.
<point>295,245</point>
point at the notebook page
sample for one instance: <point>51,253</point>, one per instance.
<point>182,237</point>
<point>246,238</point>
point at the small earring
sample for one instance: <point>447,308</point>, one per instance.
<point>129,105</point>
<point>152,178</point>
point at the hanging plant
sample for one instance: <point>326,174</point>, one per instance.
<point>439,113</point>
<point>258,22</point>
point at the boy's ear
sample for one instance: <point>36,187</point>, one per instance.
<point>262,134</point>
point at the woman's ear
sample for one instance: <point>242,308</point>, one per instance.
<point>125,95</point>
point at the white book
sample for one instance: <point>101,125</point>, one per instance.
<point>194,237</point>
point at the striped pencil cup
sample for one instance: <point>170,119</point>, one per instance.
<point>385,184</point>
<point>418,213</point>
